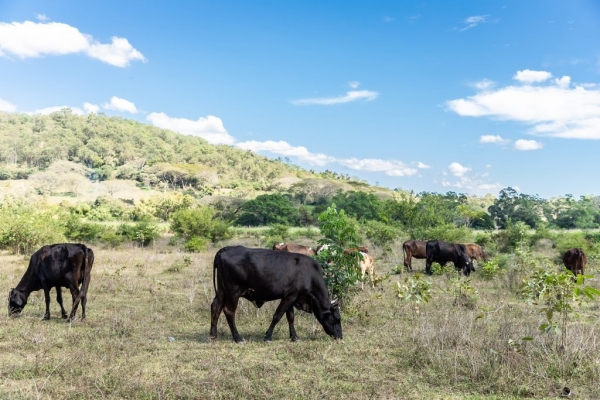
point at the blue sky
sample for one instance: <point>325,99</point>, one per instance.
<point>467,96</point>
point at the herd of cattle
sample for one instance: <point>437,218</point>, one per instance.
<point>288,273</point>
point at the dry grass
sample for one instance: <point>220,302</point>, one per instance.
<point>139,299</point>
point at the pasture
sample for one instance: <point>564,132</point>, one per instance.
<point>148,318</point>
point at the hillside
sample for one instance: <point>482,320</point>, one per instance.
<point>87,156</point>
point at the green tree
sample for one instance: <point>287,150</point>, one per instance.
<point>199,222</point>
<point>268,209</point>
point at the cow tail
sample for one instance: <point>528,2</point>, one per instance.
<point>404,253</point>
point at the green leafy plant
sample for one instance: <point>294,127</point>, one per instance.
<point>490,269</point>
<point>465,295</point>
<point>555,292</point>
<point>415,288</point>
<point>340,270</point>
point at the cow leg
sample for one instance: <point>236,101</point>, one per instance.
<point>229,310</point>
<point>285,305</point>
<point>76,295</point>
<point>47,298</point>
<point>289,314</point>
<point>59,299</point>
<point>428,263</point>
<point>215,311</point>
<point>407,263</point>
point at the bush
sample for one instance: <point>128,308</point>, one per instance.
<point>417,289</point>
<point>78,230</point>
<point>201,223</point>
<point>196,244</point>
<point>143,232</point>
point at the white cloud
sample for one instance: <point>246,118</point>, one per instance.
<point>354,84</point>
<point>352,95</point>
<point>210,128</point>
<point>6,106</point>
<point>286,149</point>
<point>91,108</point>
<point>119,53</point>
<point>556,108</point>
<point>31,39</point>
<point>469,181</point>
<point>41,17</point>
<point>529,76</point>
<point>388,19</point>
<point>422,165</point>
<point>473,21</point>
<point>50,110</point>
<point>524,145</point>
<point>119,104</point>
<point>458,170</point>
<point>496,139</point>
<point>389,167</point>
<point>484,84</point>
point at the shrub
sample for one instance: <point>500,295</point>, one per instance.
<point>196,244</point>
<point>143,232</point>
<point>415,288</point>
<point>199,222</point>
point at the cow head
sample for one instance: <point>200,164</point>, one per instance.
<point>332,320</point>
<point>16,302</point>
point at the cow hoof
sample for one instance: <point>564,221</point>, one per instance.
<point>64,316</point>
<point>45,318</point>
<point>294,339</point>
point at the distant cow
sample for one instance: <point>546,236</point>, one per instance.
<point>442,252</point>
<point>262,275</point>
<point>475,252</point>
<point>364,261</point>
<point>295,248</point>
<point>575,260</point>
<point>58,265</point>
<point>413,248</point>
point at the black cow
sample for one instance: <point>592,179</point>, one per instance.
<point>442,252</point>
<point>261,275</point>
<point>58,265</point>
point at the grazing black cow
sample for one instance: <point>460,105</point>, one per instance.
<point>442,252</point>
<point>58,265</point>
<point>413,248</point>
<point>575,260</point>
<point>262,275</point>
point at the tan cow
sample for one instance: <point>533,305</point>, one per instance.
<point>295,248</point>
<point>367,266</point>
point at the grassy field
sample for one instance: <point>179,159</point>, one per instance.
<point>148,317</point>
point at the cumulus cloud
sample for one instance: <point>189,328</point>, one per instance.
<point>524,145</point>
<point>210,128</point>
<point>32,39</point>
<point>119,104</point>
<point>458,170</point>
<point>354,84</point>
<point>286,149</point>
<point>484,84</point>
<point>473,21</point>
<point>471,182</point>
<point>6,106</point>
<point>41,17</point>
<point>556,108</point>
<point>91,108</point>
<point>389,167</point>
<point>529,76</point>
<point>421,165</point>
<point>350,96</point>
<point>495,139</point>
<point>50,110</point>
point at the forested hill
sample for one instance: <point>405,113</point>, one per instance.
<point>117,148</point>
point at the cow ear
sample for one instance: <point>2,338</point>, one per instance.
<point>334,302</point>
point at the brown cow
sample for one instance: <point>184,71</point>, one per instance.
<point>352,250</point>
<point>295,248</point>
<point>475,252</point>
<point>575,260</point>
<point>413,248</point>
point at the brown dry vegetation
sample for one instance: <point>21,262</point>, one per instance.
<point>392,349</point>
